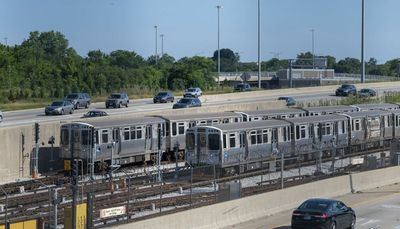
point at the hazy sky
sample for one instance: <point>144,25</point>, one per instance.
<point>190,26</point>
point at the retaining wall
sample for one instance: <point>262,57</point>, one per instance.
<point>262,205</point>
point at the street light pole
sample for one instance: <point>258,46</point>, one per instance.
<point>219,54</point>
<point>259,48</point>
<point>155,27</point>
<point>312,45</point>
<point>362,42</point>
<point>162,45</point>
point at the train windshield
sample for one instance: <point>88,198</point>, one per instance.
<point>213,141</point>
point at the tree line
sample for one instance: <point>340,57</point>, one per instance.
<point>45,66</point>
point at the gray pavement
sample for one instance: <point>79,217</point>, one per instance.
<point>375,208</point>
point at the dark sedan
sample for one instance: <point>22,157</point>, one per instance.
<point>346,90</point>
<point>92,114</point>
<point>187,102</point>
<point>289,100</point>
<point>323,213</point>
<point>59,108</point>
<point>164,97</point>
<point>366,92</point>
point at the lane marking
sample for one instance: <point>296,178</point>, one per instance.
<point>390,206</point>
<point>370,221</point>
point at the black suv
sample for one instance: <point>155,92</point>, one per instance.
<point>117,100</point>
<point>346,89</point>
<point>78,100</point>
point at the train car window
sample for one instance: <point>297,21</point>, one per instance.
<point>126,133</point>
<point>203,122</point>
<point>225,120</point>
<point>236,119</point>
<point>224,140</point>
<point>181,128</point>
<point>213,141</point>
<point>283,116</point>
<point>256,118</point>
<point>297,132</point>
<point>285,134</point>
<point>303,131</point>
<point>253,137</point>
<point>167,129</point>
<point>85,137</point>
<point>104,136</point>
<point>241,139</point>
<point>96,137</point>
<point>64,137</point>
<point>215,122</point>
<point>190,141</point>
<point>174,129</point>
<point>265,136</point>
<point>232,140</point>
<point>357,124</point>
<point>259,136</point>
<point>139,134</point>
<point>133,133</point>
<point>397,117</point>
<point>327,129</point>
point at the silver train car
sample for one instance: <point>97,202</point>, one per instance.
<point>258,115</point>
<point>125,141</point>
<point>230,144</point>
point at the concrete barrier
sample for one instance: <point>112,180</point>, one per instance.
<point>262,205</point>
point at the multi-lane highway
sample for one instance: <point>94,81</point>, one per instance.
<point>375,208</point>
<point>300,94</point>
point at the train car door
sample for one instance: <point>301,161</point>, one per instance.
<point>117,141</point>
<point>149,137</point>
<point>202,142</point>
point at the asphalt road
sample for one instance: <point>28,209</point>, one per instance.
<point>15,118</point>
<point>375,208</point>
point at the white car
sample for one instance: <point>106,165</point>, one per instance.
<point>193,92</point>
<point>1,116</point>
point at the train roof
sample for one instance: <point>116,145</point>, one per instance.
<point>320,118</point>
<point>375,106</point>
<point>273,111</point>
<point>330,108</point>
<point>368,113</point>
<point>110,122</point>
<point>199,116</point>
<point>250,125</point>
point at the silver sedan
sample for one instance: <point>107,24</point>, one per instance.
<point>59,108</point>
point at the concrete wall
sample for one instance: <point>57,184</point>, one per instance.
<point>15,163</point>
<point>245,209</point>
<point>16,154</point>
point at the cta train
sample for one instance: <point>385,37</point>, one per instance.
<point>228,138</point>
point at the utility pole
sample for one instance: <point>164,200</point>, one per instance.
<point>312,48</point>
<point>155,27</point>
<point>362,42</point>
<point>219,54</point>
<point>259,48</point>
<point>35,173</point>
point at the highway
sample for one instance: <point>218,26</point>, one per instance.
<point>375,208</point>
<point>14,118</point>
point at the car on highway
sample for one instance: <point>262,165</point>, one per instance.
<point>117,100</point>
<point>290,101</point>
<point>346,90</point>
<point>366,92</point>
<point>187,102</point>
<point>94,113</point>
<point>242,87</point>
<point>164,97</point>
<point>323,213</point>
<point>193,92</point>
<point>79,100</point>
<point>59,108</point>
<point>1,116</point>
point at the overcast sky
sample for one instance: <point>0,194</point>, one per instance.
<point>190,26</point>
